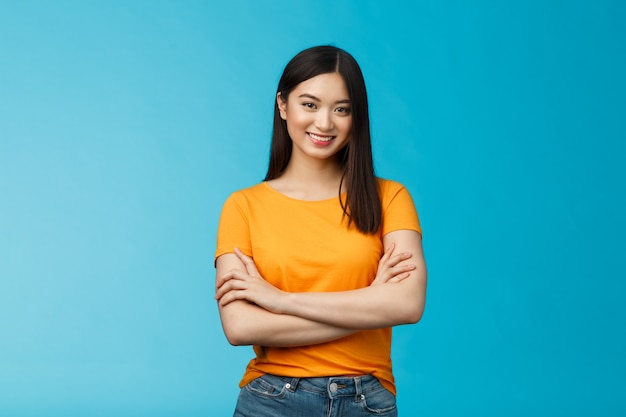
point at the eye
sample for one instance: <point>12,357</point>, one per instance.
<point>344,110</point>
<point>309,105</point>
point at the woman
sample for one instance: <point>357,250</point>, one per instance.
<point>319,261</point>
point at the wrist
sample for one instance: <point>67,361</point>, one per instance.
<point>288,301</point>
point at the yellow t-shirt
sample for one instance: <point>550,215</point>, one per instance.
<point>306,246</point>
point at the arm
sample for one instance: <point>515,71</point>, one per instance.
<point>400,300</point>
<point>245,323</point>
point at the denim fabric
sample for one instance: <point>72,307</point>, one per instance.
<point>276,396</point>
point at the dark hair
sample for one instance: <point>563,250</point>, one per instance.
<point>362,205</point>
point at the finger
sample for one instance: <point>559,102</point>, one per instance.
<point>396,259</point>
<point>233,285</point>
<point>247,261</point>
<point>230,297</point>
<point>398,270</point>
<point>224,289</point>
<point>219,293</point>
<point>382,263</point>
<point>228,276</point>
<point>222,279</point>
<point>399,278</point>
<point>387,253</point>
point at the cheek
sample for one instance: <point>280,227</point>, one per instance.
<point>297,121</point>
<point>294,128</point>
<point>346,126</point>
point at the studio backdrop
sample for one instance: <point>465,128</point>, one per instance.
<point>124,125</point>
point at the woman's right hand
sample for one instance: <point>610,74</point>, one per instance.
<point>248,285</point>
<point>390,267</point>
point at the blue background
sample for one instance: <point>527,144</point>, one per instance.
<point>125,124</point>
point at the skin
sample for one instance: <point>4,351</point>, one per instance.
<point>253,311</point>
<point>319,106</point>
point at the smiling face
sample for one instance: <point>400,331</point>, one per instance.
<point>318,116</point>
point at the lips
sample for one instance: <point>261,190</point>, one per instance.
<point>320,139</point>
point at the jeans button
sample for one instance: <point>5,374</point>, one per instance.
<point>333,387</point>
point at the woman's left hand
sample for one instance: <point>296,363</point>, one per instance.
<point>248,285</point>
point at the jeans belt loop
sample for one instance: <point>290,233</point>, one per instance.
<point>359,391</point>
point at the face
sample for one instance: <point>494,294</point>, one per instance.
<point>318,116</point>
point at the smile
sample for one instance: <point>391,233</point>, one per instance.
<point>320,138</point>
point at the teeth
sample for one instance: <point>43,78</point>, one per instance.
<point>321,138</point>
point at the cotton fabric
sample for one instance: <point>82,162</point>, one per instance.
<point>307,246</point>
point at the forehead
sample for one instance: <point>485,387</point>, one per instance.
<point>330,86</point>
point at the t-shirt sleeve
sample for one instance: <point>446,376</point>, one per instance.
<point>399,212</point>
<point>233,230</point>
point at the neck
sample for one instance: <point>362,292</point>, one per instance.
<point>310,179</point>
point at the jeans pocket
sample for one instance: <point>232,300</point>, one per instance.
<point>268,386</point>
<point>379,401</point>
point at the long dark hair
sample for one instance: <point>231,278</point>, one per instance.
<point>362,204</point>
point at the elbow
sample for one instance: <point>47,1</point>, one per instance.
<point>236,337</point>
<point>237,334</point>
<point>414,304</point>
<point>238,324</point>
<point>233,339</point>
<point>412,314</point>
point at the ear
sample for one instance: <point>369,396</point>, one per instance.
<point>282,106</point>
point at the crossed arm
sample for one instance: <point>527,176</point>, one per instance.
<point>255,312</point>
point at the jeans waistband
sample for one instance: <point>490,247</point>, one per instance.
<point>334,386</point>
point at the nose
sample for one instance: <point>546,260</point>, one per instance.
<point>324,121</point>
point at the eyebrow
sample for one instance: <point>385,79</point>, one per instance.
<point>305,95</point>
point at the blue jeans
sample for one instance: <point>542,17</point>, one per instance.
<point>276,396</point>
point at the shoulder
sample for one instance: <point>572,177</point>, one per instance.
<point>255,198</point>
<point>399,211</point>
<point>250,193</point>
<point>386,184</point>
<point>389,189</point>
<point>242,200</point>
